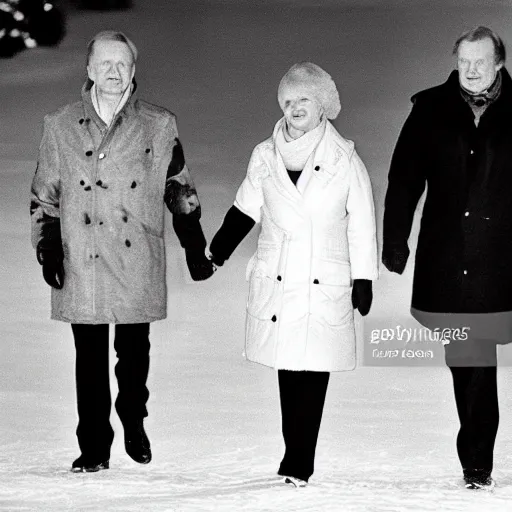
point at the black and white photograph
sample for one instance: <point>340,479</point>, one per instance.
<point>255,255</point>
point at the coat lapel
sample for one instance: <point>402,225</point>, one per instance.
<point>321,167</point>
<point>91,116</point>
<point>308,171</point>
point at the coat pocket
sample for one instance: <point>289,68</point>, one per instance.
<point>264,261</point>
<point>331,294</point>
<point>262,273</point>
<point>262,294</point>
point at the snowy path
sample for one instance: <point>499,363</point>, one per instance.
<point>386,444</point>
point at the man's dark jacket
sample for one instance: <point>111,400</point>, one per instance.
<point>464,252</point>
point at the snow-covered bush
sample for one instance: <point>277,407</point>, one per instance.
<point>29,23</point>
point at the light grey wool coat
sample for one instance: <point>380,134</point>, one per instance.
<point>107,187</point>
<point>315,239</point>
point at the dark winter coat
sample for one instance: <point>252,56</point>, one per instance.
<point>464,252</point>
<point>107,187</point>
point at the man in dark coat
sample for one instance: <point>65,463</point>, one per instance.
<point>458,140</point>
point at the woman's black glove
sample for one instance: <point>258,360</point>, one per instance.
<point>362,295</point>
<point>199,266</point>
<point>234,229</point>
<point>395,257</point>
<point>51,256</point>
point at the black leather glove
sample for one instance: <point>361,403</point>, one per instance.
<point>395,258</point>
<point>199,266</point>
<point>362,295</point>
<point>51,256</point>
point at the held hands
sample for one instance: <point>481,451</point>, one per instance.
<point>362,295</point>
<point>199,266</point>
<point>217,262</point>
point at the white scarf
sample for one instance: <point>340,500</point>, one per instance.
<point>295,153</point>
<point>120,105</point>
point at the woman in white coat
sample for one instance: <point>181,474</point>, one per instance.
<point>316,255</point>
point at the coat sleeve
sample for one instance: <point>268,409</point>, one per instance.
<point>406,184</point>
<point>235,227</point>
<point>181,197</point>
<point>361,232</point>
<point>249,197</point>
<point>45,189</point>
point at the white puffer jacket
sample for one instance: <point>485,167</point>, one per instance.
<point>315,239</point>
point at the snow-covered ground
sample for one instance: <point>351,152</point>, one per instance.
<point>387,441</point>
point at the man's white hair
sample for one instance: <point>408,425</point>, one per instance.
<point>112,35</point>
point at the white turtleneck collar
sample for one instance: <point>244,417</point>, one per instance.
<point>121,104</point>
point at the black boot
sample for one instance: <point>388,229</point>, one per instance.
<point>136,442</point>
<point>85,465</point>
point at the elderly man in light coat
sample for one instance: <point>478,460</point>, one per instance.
<point>107,165</point>
<point>316,255</point>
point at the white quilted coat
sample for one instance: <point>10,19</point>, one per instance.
<point>315,238</point>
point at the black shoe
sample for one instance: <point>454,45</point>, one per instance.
<point>85,465</point>
<point>136,442</point>
<point>481,485</point>
<point>296,482</point>
<point>479,480</point>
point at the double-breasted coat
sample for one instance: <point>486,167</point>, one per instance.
<point>465,240</point>
<point>107,186</point>
<point>315,239</point>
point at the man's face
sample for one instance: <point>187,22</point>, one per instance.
<point>111,67</point>
<point>476,64</point>
<point>301,110</point>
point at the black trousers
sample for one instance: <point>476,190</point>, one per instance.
<point>473,364</point>
<point>476,396</point>
<point>302,395</point>
<point>131,343</point>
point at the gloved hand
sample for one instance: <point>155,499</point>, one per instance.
<point>395,258</point>
<point>362,295</point>
<point>199,266</point>
<point>51,256</point>
<point>216,260</point>
<point>234,229</point>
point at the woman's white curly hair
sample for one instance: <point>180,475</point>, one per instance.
<point>317,82</point>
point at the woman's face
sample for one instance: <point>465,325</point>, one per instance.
<point>301,111</point>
